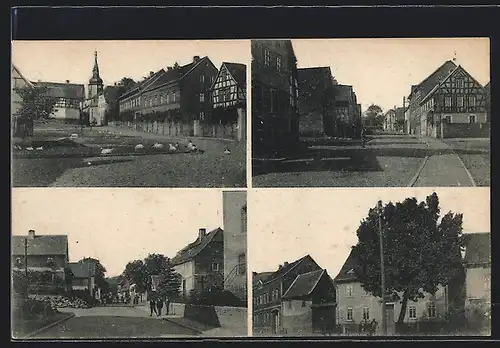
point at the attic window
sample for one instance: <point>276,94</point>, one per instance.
<point>351,271</point>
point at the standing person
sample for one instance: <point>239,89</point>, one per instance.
<point>152,304</point>
<point>159,304</point>
<point>373,327</point>
<point>167,304</point>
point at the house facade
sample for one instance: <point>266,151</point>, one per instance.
<point>348,111</point>
<point>201,263</point>
<point>235,243</point>
<point>69,98</point>
<point>46,258</point>
<point>180,94</point>
<point>83,275</point>
<point>275,123</point>
<point>275,313</point>
<point>229,97</point>
<point>394,120</point>
<point>477,262</point>
<point>448,103</point>
<point>316,101</point>
<point>355,305</point>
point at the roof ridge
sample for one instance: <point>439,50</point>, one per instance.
<point>323,271</point>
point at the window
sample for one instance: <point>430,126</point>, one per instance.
<point>349,290</point>
<point>303,304</point>
<point>460,101</point>
<point>215,266</point>
<point>447,101</point>
<point>472,119</point>
<point>448,118</point>
<point>350,314</point>
<point>412,312</point>
<point>278,63</point>
<point>174,97</point>
<point>267,57</point>
<point>290,304</point>
<point>162,99</point>
<point>472,100</point>
<point>202,79</point>
<point>212,79</point>
<point>202,115</point>
<point>460,83</point>
<point>431,310</point>
<point>366,313</point>
<point>202,97</point>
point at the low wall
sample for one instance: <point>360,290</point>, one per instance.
<point>194,129</point>
<point>466,130</point>
<point>203,314</point>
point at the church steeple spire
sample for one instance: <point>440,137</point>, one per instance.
<point>95,82</point>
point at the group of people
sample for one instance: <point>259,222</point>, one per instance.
<point>156,303</point>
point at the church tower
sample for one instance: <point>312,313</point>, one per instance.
<point>95,82</point>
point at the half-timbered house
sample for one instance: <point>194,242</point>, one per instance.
<point>229,96</point>
<point>448,103</point>
<point>275,124</point>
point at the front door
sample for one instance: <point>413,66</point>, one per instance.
<point>275,322</point>
<point>390,322</point>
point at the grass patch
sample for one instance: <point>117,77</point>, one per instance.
<point>22,327</point>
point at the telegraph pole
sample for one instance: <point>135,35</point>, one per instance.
<point>382,272</point>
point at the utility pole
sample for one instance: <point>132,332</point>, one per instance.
<point>404,115</point>
<point>382,272</point>
<point>26,257</point>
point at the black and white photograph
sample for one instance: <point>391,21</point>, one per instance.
<point>321,260</point>
<point>129,113</point>
<point>144,263</point>
<point>371,112</point>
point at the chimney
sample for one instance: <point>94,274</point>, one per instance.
<point>170,68</point>
<point>151,73</point>
<point>31,234</point>
<point>279,267</point>
<point>67,81</point>
<point>286,264</point>
<point>254,273</point>
<point>196,58</point>
<point>201,233</point>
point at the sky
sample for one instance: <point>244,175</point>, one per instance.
<point>117,225</point>
<point>58,61</point>
<point>285,225</point>
<point>382,71</point>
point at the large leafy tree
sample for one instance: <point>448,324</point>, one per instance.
<point>35,103</point>
<point>420,252</point>
<point>139,272</point>
<point>374,116</point>
<point>100,273</point>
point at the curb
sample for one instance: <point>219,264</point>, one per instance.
<point>184,325</point>
<point>417,174</point>
<point>473,182</point>
<point>57,322</point>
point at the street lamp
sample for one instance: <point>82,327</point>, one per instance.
<point>382,272</point>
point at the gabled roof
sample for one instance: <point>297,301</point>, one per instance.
<point>194,248</point>
<point>487,87</point>
<point>262,276</point>
<point>41,245</point>
<point>343,92</point>
<point>478,248</point>
<point>430,81</point>
<point>285,269</point>
<point>238,72</point>
<point>81,269</point>
<point>143,84</point>
<point>63,90</point>
<point>305,284</point>
<point>28,82</point>
<point>346,273</point>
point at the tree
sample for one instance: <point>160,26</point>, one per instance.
<point>100,271</point>
<point>35,103</point>
<point>139,272</point>
<point>374,116</point>
<point>419,253</point>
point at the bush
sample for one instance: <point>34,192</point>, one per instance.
<point>85,296</point>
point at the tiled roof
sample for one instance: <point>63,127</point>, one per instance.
<point>346,273</point>
<point>28,82</point>
<point>63,90</point>
<point>285,269</point>
<point>478,248</point>
<point>433,79</point>
<point>41,245</point>
<point>262,276</point>
<point>343,92</point>
<point>238,72</point>
<point>304,284</point>
<point>194,248</point>
<point>81,269</point>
